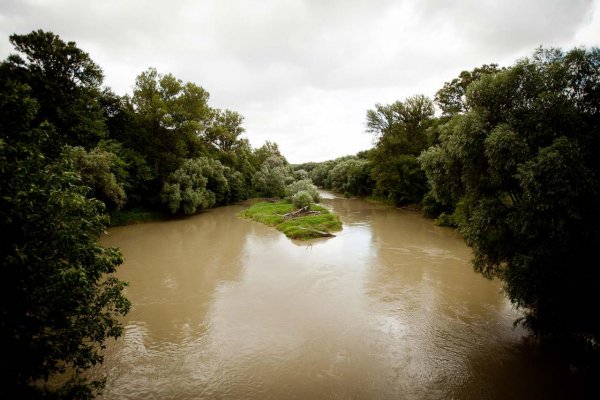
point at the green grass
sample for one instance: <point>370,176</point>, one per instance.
<point>135,216</point>
<point>271,214</point>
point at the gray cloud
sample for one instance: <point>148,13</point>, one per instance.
<point>304,72</point>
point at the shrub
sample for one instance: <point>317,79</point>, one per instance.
<point>302,199</point>
<point>305,185</point>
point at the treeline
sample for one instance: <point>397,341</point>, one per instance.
<point>512,161</point>
<point>163,147</point>
<point>390,170</point>
<point>71,152</point>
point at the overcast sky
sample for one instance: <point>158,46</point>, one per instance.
<point>304,72</point>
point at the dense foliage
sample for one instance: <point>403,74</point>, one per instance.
<point>70,153</point>
<point>350,175</point>
<point>58,302</point>
<point>303,185</point>
<point>512,163</point>
<point>520,166</point>
<point>400,131</point>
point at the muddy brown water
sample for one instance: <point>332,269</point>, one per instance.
<point>225,308</point>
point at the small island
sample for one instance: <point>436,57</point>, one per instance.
<point>307,222</point>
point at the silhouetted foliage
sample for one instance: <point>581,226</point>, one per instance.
<point>521,166</point>
<point>58,303</point>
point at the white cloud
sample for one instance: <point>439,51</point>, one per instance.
<point>304,72</point>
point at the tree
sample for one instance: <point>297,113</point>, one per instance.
<point>199,183</point>
<point>352,177</point>
<point>171,116</point>
<point>452,97</point>
<point>224,129</point>
<point>400,131</point>
<point>320,174</point>
<point>272,177</point>
<point>521,167</point>
<point>302,199</point>
<point>304,185</point>
<point>96,168</point>
<point>65,82</point>
<point>269,149</point>
<point>58,302</point>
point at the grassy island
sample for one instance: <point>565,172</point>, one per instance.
<point>316,222</point>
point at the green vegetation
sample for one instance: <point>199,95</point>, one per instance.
<point>302,199</point>
<point>136,216</point>
<point>512,163</point>
<point>302,227</point>
<point>303,185</point>
<point>58,301</point>
<point>519,166</point>
<point>73,156</point>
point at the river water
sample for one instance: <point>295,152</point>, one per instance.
<point>225,308</point>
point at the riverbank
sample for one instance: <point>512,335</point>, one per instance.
<point>302,227</point>
<point>136,216</point>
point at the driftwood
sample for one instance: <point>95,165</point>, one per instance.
<point>321,233</point>
<point>301,212</point>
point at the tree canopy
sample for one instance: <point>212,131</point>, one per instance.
<point>520,167</point>
<point>58,302</point>
<point>400,131</point>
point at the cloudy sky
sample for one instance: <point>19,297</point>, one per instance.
<point>304,72</point>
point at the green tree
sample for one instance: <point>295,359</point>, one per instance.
<point>452,97</point>
<point>522,168</point>
<point>96,168</point>
<point>58,302</point>
<point>269,149</point>
<point>302,199</point>
<point>272,177</point>
<point>352,177</point>
<point>185,189</point>
<point>224,130</point>
<point>320,174</point>
<point>305,185</point>
<point>400,130</point>
<point>171,117</point>
<point>65,82</point>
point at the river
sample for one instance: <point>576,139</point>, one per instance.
<point>225,308</point>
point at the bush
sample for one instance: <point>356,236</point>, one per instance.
<point>302,199</point>
<point>271,178</point>
<point>185,189</point>
<point>305,185</point>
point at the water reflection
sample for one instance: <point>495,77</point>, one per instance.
<point>390,308</point>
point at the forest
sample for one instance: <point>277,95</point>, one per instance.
<point>506,155</point>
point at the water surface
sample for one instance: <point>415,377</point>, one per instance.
<point>225,308</point>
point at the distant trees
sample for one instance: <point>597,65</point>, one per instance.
<point>350,175</point>
<point>520,165</point>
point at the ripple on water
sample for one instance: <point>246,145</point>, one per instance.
<point>225,308</point>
